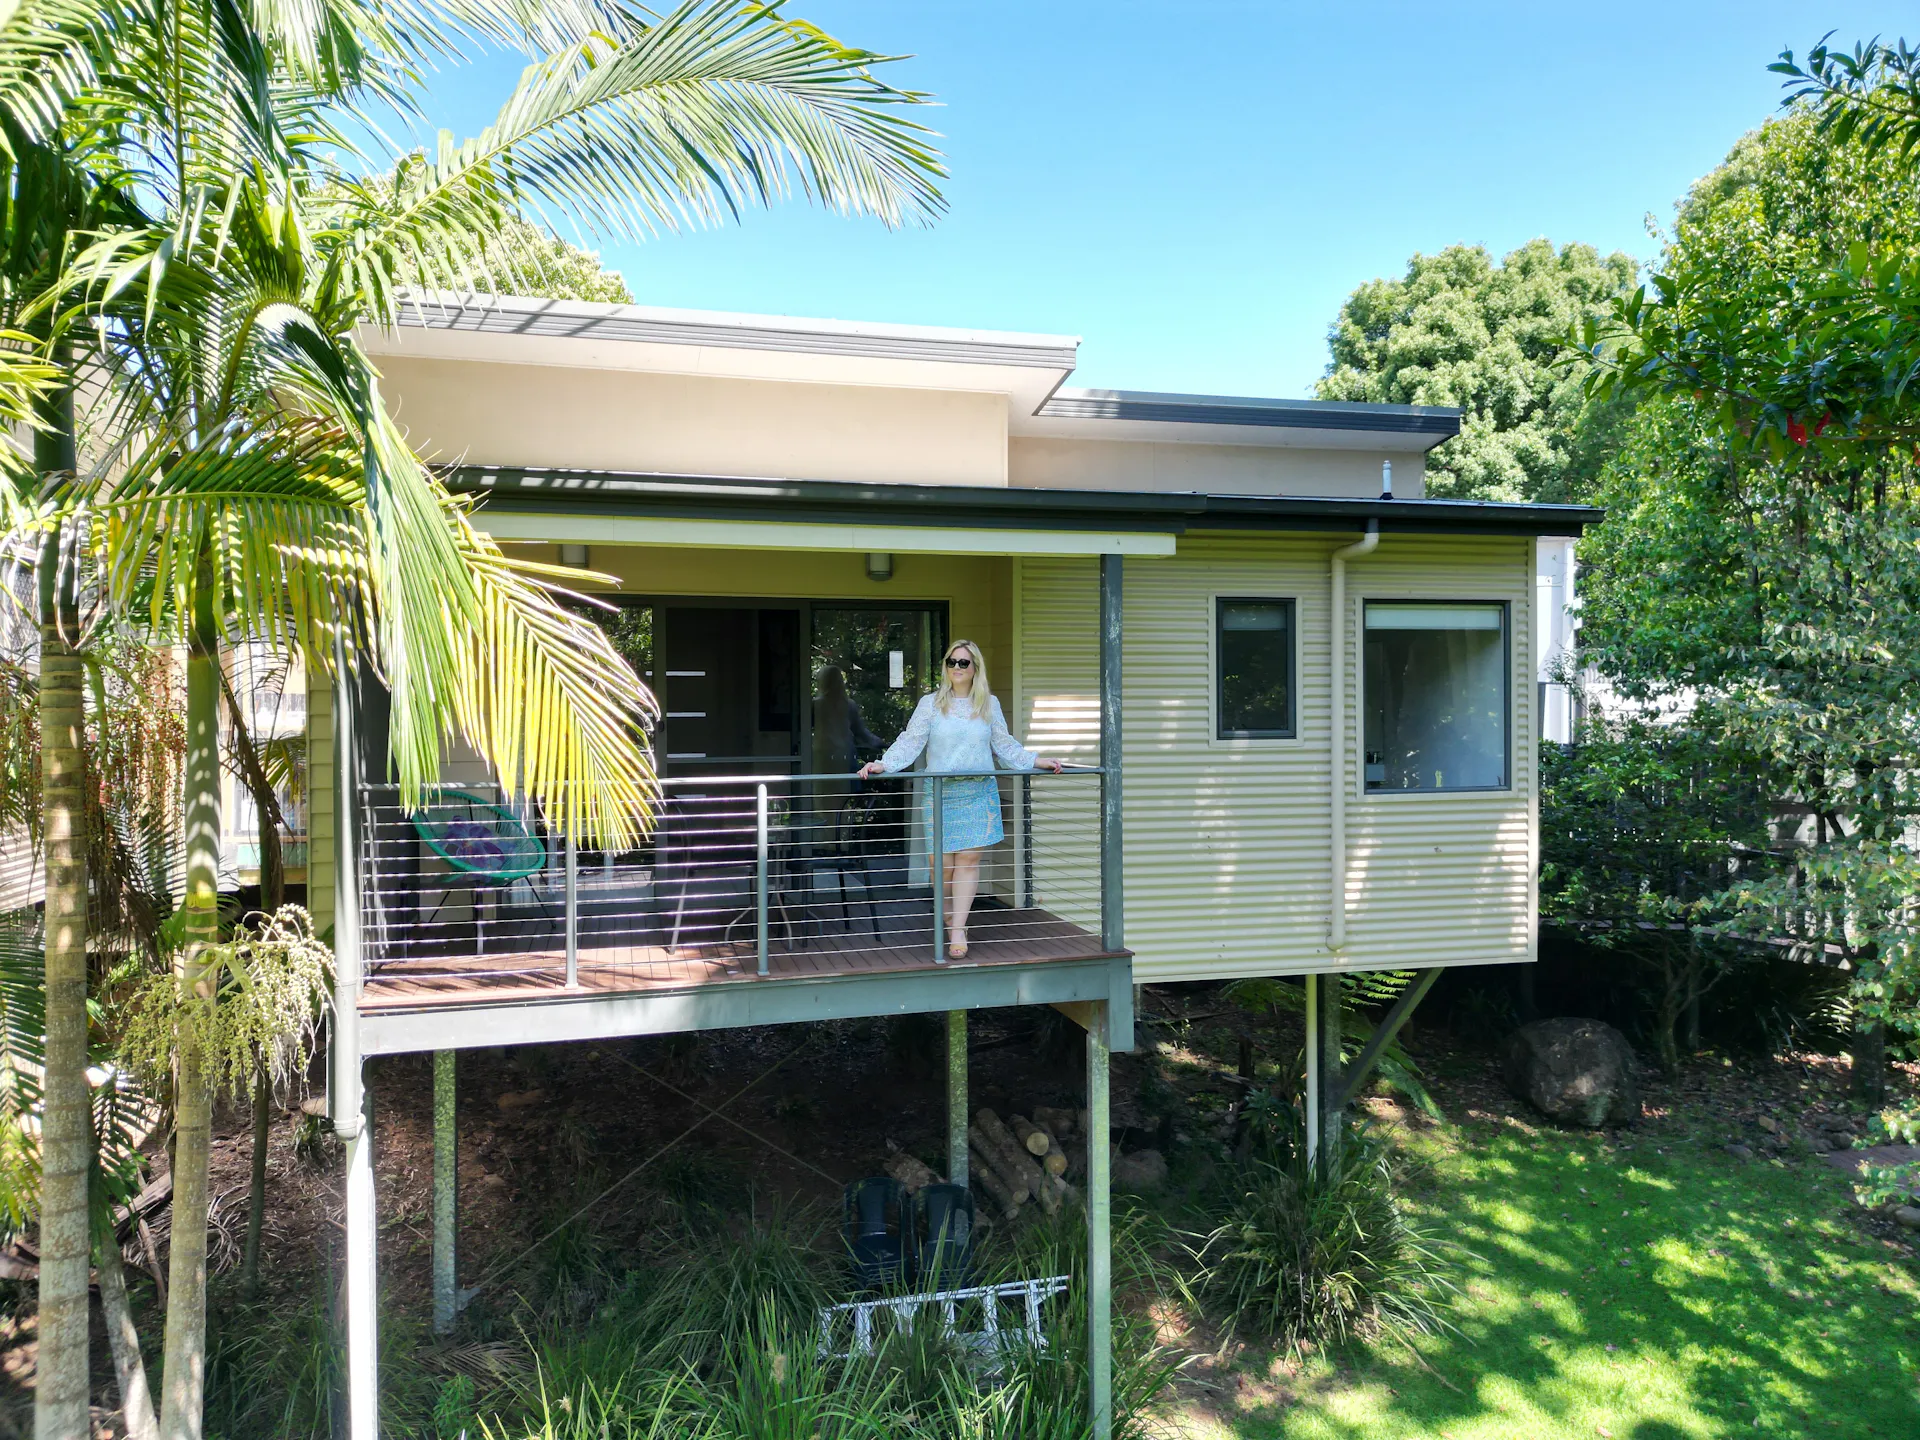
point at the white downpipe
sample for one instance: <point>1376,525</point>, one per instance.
<point>346,1092</point>
<point>1337,741</point>
<point>363,1339</point>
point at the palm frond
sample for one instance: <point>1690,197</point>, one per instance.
<point>23,1033</point>
<point>49,53</point>
<point>718,105</point>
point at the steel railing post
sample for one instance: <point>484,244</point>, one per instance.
<point>573,910</point>
<point>936,866</point>
<point>1025,897</point>
<point>760,888</point>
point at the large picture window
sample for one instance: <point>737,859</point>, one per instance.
<point>1435,702</point>
<point>1253,659</point>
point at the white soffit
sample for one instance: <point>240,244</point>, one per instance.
<point>1026,368</point>
<point>588,529</point>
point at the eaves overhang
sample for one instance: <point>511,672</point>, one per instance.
<point>1238,420</point>
<point>713,329</point>
<point>616,493</point>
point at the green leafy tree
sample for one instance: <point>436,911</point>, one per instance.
<point>1761,557</point>
<point>1459,329</point>
<point>539,264</point>
<point>1644,826</point>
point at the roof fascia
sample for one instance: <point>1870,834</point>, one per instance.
<point>836,502</point>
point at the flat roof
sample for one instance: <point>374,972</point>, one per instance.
<point>1029,369</point>
<point>713,497</point>
<point>728,330</point>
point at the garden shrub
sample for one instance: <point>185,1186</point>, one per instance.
<point>1316,1252</point>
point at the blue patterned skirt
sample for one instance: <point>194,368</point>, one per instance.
<point>969,813</point>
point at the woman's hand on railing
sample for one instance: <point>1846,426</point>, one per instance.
<point>871,768</point>
<point>1040,762</point>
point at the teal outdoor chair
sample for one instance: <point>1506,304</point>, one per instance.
<point>486,846</point>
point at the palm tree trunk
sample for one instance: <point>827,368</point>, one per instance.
<point>129,1365</point>
<point>66,1136</point>
<point>184,1378</point>
<point>257,1193</point>
<point>273,894</point>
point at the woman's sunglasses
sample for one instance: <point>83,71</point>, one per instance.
<point>959,662</point>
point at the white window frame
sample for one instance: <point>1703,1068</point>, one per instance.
<point>1215,699</point>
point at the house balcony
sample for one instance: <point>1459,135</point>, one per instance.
<point>755,898</point>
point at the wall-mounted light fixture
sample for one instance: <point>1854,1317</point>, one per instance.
<point>574,555</point>
<point>879,565</point>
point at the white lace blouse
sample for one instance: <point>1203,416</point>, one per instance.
<point>957,741</point>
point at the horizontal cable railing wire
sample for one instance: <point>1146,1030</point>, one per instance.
<point>739,875</point>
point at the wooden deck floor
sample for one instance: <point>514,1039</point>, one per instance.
<point>997,937</point>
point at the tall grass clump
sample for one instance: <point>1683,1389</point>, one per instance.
<point>1317,1252</point>
<point>280,1371</point>
<point>718,1339</point>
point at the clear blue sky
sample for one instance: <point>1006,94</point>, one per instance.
<point>1195,187</point>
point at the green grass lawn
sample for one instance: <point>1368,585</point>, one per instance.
<point>1613,1290</point>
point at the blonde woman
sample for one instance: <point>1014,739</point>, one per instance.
<point>962,730</point>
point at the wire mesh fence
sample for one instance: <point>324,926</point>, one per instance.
<point>742,874</point>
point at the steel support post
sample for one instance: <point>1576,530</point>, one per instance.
<point>446,1192</point>
<point>937,868</point>
<point>573,911</point>
<point>1112,867</point>
<point>760,933</point>
<point>1099,1229</point>
<point>1025,897</point>
<point>1329,1032</point>
<point>956,1097</point>
<point>1310,1096</point>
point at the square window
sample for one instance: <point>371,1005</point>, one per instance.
<point>1253,656</point>
<point>1435,704</point>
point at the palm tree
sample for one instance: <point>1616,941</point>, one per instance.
<point>258,490</point>
<point>49,51</point>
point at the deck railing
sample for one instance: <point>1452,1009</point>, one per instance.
<point>763,873</point>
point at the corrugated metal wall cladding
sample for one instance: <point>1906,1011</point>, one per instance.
<point>320,800</point>
<point>1226,842</point>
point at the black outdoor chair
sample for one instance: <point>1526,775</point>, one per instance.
<point>839,847</point>
<point>874,1223</point>
<point>705,846</point>
<point>942,1229</point>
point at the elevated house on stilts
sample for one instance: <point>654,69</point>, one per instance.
<point>1301,700</point>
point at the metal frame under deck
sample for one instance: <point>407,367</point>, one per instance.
<point>396,1028</point>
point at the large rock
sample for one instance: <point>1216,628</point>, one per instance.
<point>1578,1072</point>
<point>1139,1171</point>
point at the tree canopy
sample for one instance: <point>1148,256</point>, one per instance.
<point>1759,569</point>
<point>524,258</point>
<point>1460,329</point>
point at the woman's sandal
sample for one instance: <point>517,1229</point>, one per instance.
<point>957,949</point>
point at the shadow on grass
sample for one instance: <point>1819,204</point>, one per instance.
<point>1611,1289</point>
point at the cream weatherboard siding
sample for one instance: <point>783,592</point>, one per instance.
<point>322,798</point>
<point>1227,841</point>
<point>1056,706</point>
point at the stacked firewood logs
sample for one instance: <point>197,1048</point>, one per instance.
<point>1020,1159</point>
